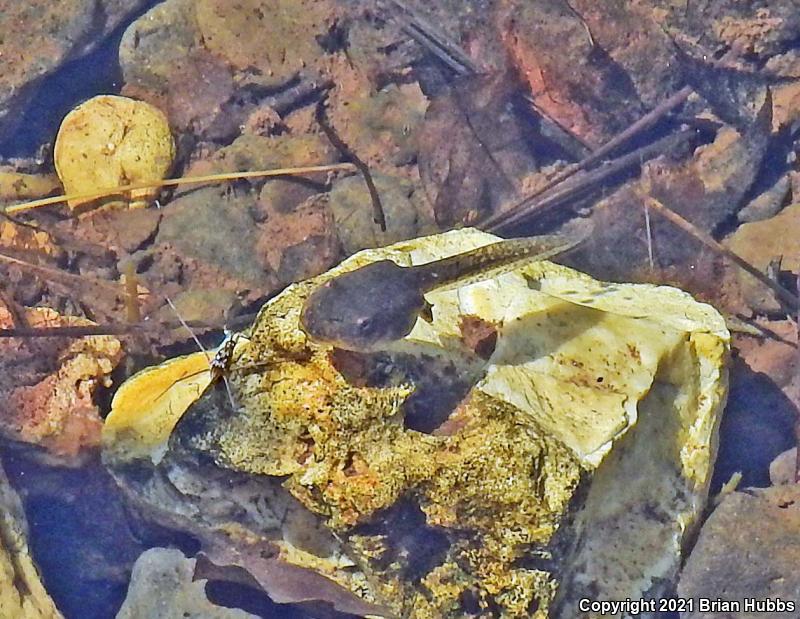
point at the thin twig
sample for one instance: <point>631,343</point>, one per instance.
<point>171,182</point>
<point>649,233</point>
<point>641,125</point>
<point>378,214</point>
<point>188,329</point>
<point>709,241</point>
<point>527,206</point>
<point>59,276</point>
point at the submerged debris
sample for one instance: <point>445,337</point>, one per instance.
<point>163,585</point>
<point>486,465</point>
<point>22,594</point>
<point>49,385</point>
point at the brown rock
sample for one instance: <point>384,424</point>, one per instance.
<point>472,149</point>
<point>277,38</point>
<point>164,62</point>
<point>570,79</point>
<point>783,469</point>
<point>353,212</point>
<point>762,241</point>
<point>299,244</point>
<point>212,231</point>
<point>382,128</point>
<point>748,549</point>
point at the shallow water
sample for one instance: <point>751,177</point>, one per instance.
<point>454,135</point>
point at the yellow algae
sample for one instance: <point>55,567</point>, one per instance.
<point>110,141</point>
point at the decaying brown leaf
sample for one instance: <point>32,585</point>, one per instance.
<point>473,149</point>
<point>256,563</point>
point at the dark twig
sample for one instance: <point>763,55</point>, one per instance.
<point>434,40</point>
<point>306,86</point>
<point>19,222</point>
<point>378,215</point>
<point>641,125</point>
<point>104,329</point>
<point>709,241</point>
<point>18,318</point>
<point>527,206</point>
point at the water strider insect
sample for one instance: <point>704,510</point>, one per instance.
<point>218,365</point>
<point>368,308</point>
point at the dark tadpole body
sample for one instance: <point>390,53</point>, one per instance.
<point>379,303</point>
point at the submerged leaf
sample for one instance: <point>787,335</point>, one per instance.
<point>257,563</point>
<point>473,150</point>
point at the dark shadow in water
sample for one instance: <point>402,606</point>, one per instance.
<point>79,533</point>
<point>412,546</point>
<point>250,600</point>
<point>757,426</point>
<point>95,73</point>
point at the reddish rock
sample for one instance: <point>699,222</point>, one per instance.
<point>571,79</point>
<point>48,384</point>
<point>299,244</point>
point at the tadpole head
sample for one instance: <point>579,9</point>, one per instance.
<point>365,309</point>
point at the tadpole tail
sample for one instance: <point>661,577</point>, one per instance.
<point>494,259</point>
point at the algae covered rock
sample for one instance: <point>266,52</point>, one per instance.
<point>110,141</point>
<point>569,457</point>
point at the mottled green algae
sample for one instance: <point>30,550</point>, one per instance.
<point>508,483</point>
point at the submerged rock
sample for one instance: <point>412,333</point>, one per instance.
<point>110,141</point>
<point>354,216</point>
<point>38,37</point>
<point>762,242</point>
<point>164,62</point>
<point>48,385</point>
<point>22,594</point>
<point>746,557</point>
<point>570,457</point>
